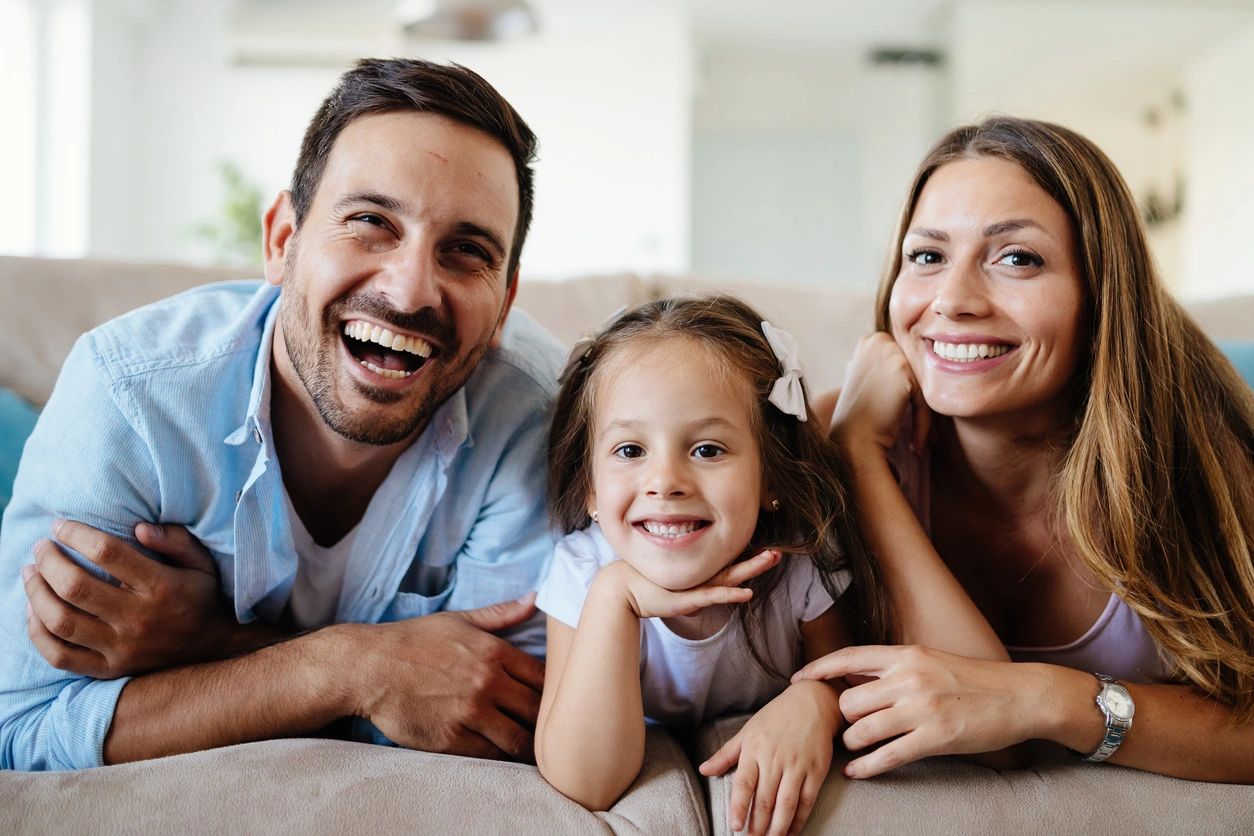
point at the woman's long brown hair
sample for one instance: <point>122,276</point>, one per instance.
<point>1156,490</point>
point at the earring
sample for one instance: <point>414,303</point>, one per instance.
<point>595,518</point>
<point>774,504</point>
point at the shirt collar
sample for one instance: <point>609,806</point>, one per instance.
<point>258,415</point>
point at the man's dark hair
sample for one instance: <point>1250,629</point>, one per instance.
<point>382,85</point>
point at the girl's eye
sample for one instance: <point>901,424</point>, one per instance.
<point>1021,258</point>
<point>924,257</point>
<point>628,451</point>
<point>707,451</point>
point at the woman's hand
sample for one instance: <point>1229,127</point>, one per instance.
<point>781,756</point>
<point>878,387</point>
<point>926,702</point>
<point>648,600</point>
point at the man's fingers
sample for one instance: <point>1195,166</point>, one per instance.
<point>61,620</point>
<point>861,659</point>
<point>74,584</point>
<point>500,616</point>
<point>722,760</point>
<point>899,752</point>
<point>109,553</point>
<point>176,543</point>
<point>743,786</point>
<point>524,667</point>
<point>506,735</point>
<point>517,699</point>
<point>63,655</point>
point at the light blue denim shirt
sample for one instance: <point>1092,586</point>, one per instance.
<point>164,415</point>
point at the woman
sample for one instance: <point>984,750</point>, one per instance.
<point>1056,468</point>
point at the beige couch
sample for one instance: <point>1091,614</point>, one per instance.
<point>315,786</point>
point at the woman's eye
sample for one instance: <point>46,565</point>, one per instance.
<point>1021,258</point>
<point>629,451</point>
<point>923,257</point>
<point>707,451</point>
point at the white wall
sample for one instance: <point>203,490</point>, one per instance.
<point>614,128</point>
<point>1219,222</point>
<point>803,161</point>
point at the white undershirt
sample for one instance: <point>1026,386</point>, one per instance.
<point>319,575</point>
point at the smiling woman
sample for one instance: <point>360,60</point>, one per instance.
<point>1057,468</point>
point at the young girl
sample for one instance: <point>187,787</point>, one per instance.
<point>707,533</point>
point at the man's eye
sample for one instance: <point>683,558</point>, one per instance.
<point>629,451</point>
<point>369,218</point>
<point>923,257</point>
<point>707,451</point>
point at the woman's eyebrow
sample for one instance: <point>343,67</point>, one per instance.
<point>933,234</point>
<point>1014,225</point>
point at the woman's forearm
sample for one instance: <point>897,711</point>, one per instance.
<point>930,607</point>
<point>590,741</point>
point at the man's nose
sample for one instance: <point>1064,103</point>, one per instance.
<point>961,291</point>
<point>410,278</point>
<point>668,477</point>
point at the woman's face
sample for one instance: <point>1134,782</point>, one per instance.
<point>989,303</point>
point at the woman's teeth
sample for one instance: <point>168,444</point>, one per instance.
<point>367,333</point>
<point>967,352</point>
<point>660,529</point>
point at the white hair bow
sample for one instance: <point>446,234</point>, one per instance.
<point>787,394</point>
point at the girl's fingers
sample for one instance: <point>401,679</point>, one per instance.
<point>903,750</point>
<point>738,573</point>
<point>786,800</point>
<point>723,759</point>
<point>764,802</point>
<point>806,799</point>
<point>743,786</point>
<point>698,599</point>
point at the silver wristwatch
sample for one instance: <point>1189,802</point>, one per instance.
<point>1116,705</point>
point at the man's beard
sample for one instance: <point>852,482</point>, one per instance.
<point>312,348</point>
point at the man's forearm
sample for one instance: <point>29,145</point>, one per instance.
<point>291,688</point>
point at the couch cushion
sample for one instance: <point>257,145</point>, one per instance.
<point>568,308</point>
<point>325,786</point>
<point>946,795</point>
<point>46,303</point>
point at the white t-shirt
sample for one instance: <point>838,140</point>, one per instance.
<point>319,575</point>
<point>684,681</point>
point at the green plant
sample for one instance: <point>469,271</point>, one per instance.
<point>235,235</point>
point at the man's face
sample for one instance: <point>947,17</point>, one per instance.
<point>395,284</point>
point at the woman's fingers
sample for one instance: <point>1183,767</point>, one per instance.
<point>867,698</point>
<point>869,659</point>
<point>905,749</point>
<point>922,420</point>
<point>877,727</point>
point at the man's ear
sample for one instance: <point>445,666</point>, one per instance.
<point>278,231</point>
<point>509,303</point>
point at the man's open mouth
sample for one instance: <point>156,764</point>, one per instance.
<point>387,354</point>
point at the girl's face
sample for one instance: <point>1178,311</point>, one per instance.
<point>989,303</point>
<point>676,467</point>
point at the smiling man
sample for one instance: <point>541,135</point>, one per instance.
<point>357,443</point>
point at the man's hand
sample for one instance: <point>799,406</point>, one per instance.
<point>444,683</point>
<point>781,756</point>
<point>159,616</point>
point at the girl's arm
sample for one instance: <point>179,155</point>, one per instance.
<point>783,753</point>
<point>936,703</point>
<point>928,603</point>
<point>590,731</point>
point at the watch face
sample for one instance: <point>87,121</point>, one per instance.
<point>1119,703</point>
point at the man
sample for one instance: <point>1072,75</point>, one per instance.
<point>360,454</point>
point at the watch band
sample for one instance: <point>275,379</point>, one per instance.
<point>1116,727</point>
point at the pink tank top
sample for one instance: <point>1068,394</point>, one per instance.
<point>1116,645</point>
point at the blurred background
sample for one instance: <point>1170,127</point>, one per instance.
<point>731,139</point>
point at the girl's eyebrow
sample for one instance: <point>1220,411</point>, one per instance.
<point>623,424</point>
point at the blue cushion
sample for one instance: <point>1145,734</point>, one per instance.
<point>17,419</point>
<point>1241,353</point>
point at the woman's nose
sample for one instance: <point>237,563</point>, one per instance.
<point>961,291</point>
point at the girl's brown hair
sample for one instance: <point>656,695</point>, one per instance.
<point>801,467</point>
<point>1156,489</point>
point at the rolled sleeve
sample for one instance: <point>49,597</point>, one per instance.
<point>85,461</point>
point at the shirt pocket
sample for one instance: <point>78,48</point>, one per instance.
<point>415,605</point>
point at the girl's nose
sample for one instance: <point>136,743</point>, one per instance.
<point>667,478</point>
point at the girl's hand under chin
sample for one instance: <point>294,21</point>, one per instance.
<point>782,756</point>
<point>648,600</point>
<point>878,387</point>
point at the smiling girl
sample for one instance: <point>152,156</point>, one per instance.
<point>682,448</point>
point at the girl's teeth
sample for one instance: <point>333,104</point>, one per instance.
<point>669,529</point>
<point>967,352</point>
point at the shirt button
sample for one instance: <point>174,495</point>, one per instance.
<point>257,434</point>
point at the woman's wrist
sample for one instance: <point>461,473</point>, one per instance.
<point>1065,708</point>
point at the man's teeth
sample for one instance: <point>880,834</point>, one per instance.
<point>391,374</point>
<point>367,333</point>
<point>660,529</point>
<point>966,352</point>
